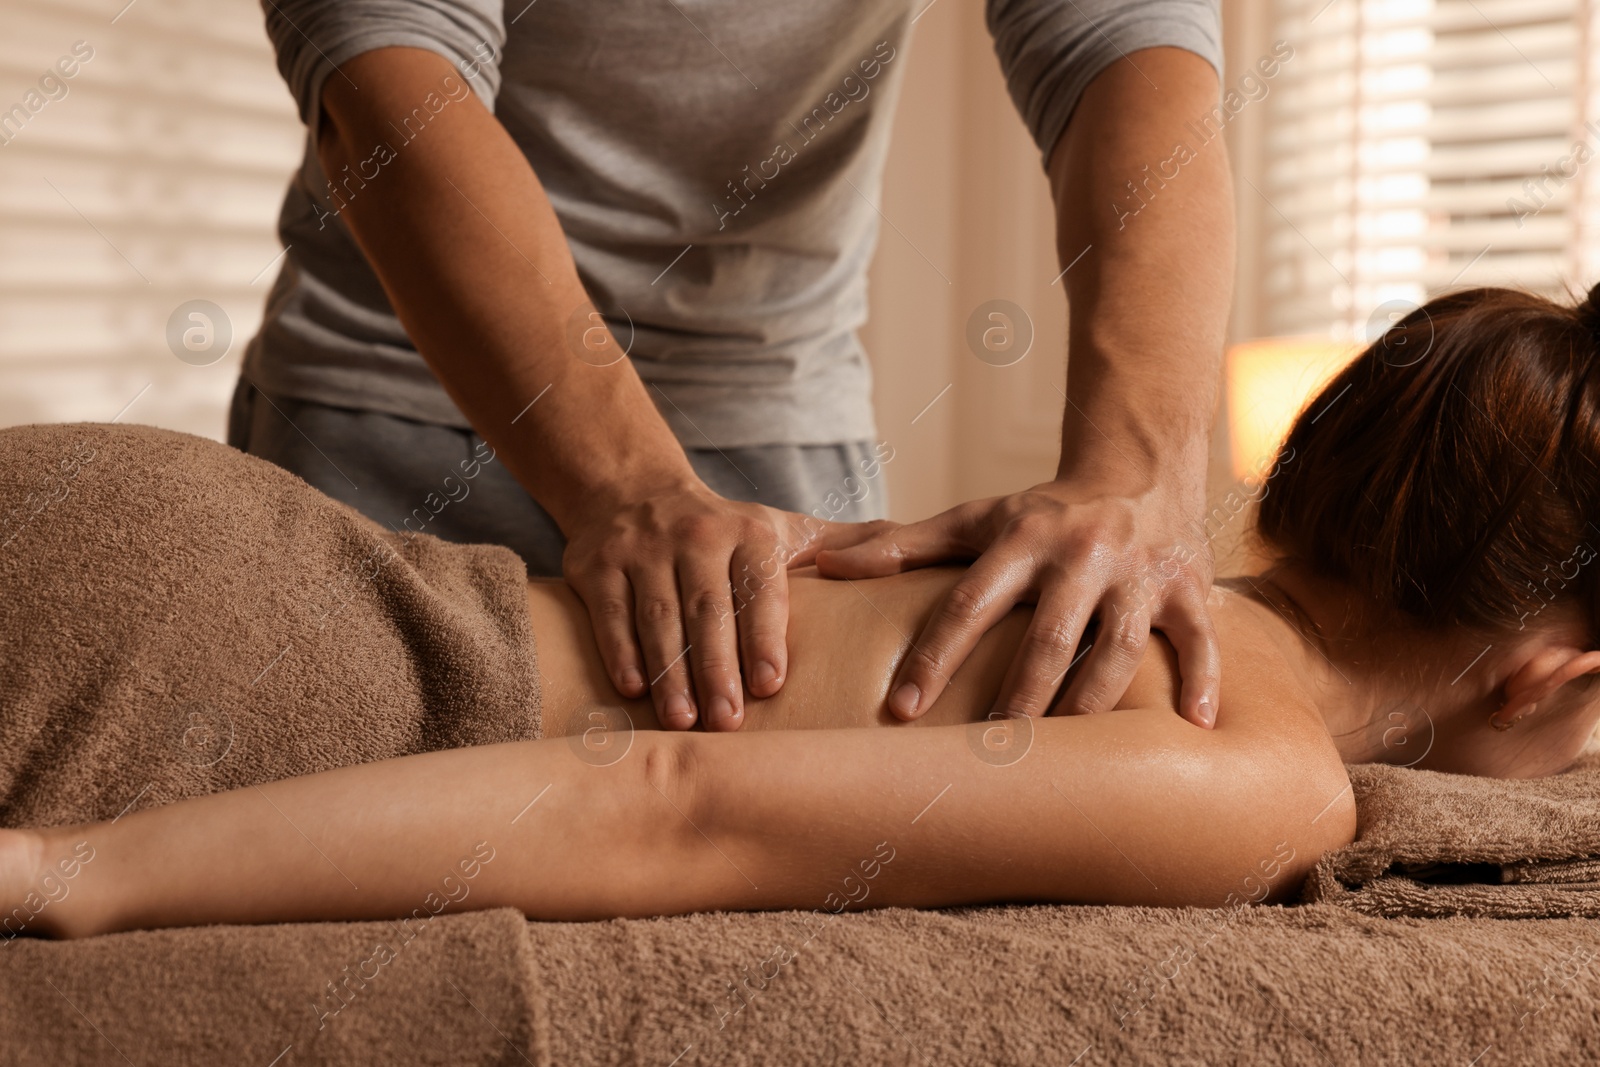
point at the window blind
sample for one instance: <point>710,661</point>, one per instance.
<point>1415,146</point>
<point>149,178</point>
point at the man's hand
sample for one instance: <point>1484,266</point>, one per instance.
<point>1076,555</point>
<point>701,583</point>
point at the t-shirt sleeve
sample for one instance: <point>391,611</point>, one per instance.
<point>1050,50</point>
<point>312,37</point>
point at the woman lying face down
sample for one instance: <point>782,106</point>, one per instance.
<point>1433,605</point>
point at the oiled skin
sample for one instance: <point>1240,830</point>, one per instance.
<point>845,641</point>
<point>1132,806</point>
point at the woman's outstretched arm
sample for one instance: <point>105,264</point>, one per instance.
<point>1123,807</point>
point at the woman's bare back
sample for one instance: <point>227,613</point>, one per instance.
<point>847,638</point>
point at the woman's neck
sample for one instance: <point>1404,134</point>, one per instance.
<point>1387,693</point>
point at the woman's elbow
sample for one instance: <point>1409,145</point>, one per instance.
<point>1278,841</point>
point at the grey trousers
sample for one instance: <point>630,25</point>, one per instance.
<point>414,475</point>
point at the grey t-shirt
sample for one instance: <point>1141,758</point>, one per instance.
<point>714,165</point>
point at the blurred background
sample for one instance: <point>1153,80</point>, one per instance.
<point>1403,148</point>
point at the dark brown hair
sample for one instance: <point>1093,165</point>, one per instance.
<point>1452,471</point>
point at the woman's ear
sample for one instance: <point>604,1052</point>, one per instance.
<point>1539,679</point>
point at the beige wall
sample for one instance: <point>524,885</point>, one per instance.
<point>965,189</point>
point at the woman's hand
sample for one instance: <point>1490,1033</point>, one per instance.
<point>1075,553</point>
<point>685,584</point>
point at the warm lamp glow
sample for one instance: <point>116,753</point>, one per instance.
<point>1269,381</point>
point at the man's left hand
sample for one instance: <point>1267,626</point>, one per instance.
<point>1075,553</point>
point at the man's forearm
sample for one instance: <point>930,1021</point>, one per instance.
<point>1149,300</point>
<point>475,264</point>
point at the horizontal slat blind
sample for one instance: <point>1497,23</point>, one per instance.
<point>154,180</point>
<point>1399,145</point>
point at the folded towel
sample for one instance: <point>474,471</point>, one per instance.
<point>1582,872</point>
<point>179,618</point>
<point>451,991</point>
<point>1430,844</point>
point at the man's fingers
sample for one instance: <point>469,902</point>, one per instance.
<point>903,548</point>
<point>1186,620</point>
<point>1043,657</point>
<point>810,535</point>
<point>981,598</point>
<point>761,606</point>
<point>609,599</point>
<point>659,618</point>
<point>713,638</point>
<point>1111,662</point>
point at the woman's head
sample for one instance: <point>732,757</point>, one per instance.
<point>1451,474</point>
<point>1452,471</point>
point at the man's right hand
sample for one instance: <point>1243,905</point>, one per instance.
<point>683,585</point>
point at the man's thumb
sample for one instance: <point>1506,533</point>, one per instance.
<point>819,536</point>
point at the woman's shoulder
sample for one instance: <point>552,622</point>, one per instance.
<point>1267,711</point>
<point>1272,704</point>
<point>1257,664</point>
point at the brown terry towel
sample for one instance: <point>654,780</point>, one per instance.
<point>1026,986</point>
<point>178,618</point>
<point>1059,986</point>
<point>1430,844</point>
<point>272,996</point>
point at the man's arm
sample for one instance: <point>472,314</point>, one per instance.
<point>1117,533</point>
<point>472,257</point>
